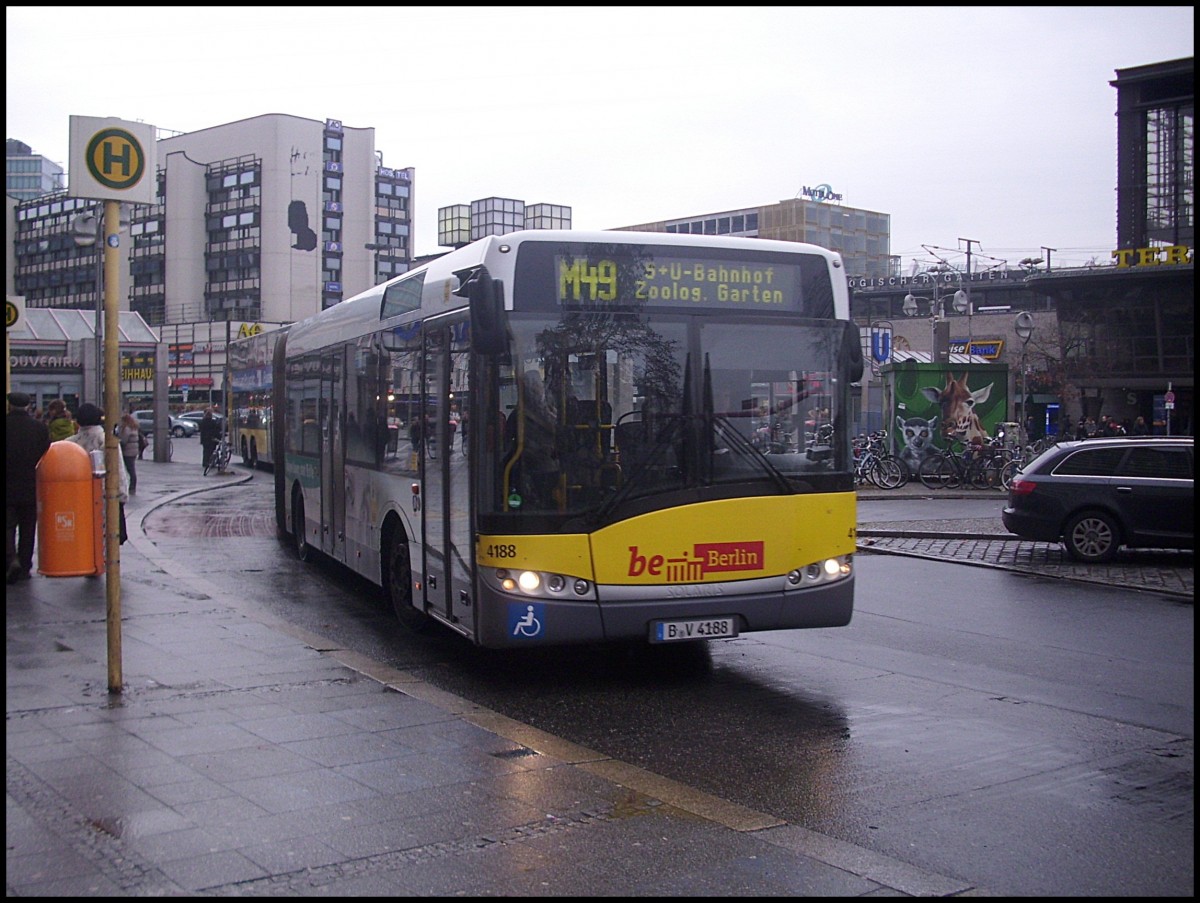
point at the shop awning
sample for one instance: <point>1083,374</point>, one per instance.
<point>51,324</point>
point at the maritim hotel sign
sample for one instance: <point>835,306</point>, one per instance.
<point>822,192</point>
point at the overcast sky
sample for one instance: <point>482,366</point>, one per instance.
<point>988,123</point>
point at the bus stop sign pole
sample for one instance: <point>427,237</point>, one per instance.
<point>112,447</point>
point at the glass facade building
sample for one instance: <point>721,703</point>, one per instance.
<point>28,175</point>
<point>862,237</point>
<point>461,224</point>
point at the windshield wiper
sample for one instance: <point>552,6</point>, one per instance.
<point>666,437</point>
<point>743,449</point>
<point>716,425</point>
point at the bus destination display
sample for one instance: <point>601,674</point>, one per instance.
<point>677,281</point>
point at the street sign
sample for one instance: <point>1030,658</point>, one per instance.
<point>14,311</point>
<point>881,343</point>
<point>113,160</point>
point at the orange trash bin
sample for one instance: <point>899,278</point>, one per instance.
<point>70,534</point>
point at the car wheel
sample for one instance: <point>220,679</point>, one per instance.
<point>178,432</point>
<point>1092,536</point>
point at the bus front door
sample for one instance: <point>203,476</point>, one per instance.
<point>447,546</point>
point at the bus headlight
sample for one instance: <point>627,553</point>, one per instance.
<point>820,572</point>
<point>545,585</point>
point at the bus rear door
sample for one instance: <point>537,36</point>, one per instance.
<point>333,460</point>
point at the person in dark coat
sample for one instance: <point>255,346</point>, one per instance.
<point>26,440</point>
<point>210,435</point>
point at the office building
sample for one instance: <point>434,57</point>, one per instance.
<point>28,175</point>
<point>461,224</point>
<point>1127,331</point>
<point>270,218</point>
<point>265,220</point>
<point>862,237</point>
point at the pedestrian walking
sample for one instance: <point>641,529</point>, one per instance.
<point>91,438</point>
<point>58,419</point>
<point>26,440</point>
<point>129,434</point>
<point>210,435</point>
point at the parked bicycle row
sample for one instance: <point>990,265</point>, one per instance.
<point>981,464</point>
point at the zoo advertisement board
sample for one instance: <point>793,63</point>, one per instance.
<point>932,407</point>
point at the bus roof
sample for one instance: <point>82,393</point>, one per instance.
<point>360,314</point>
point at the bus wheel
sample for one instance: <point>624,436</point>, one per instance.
<point>303,549</point>
<point>397,582</point>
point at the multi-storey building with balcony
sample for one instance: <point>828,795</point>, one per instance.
<point>265,220</point>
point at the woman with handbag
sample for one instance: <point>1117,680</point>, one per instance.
<point>130,437</point>
<point>91,438</point>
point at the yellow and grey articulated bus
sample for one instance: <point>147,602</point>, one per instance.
<point>565,437</point>
<point>248,375</point>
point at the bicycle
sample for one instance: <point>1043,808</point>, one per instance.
<point>220,457</point>
<point>889,461</point>
<point>875,466</point>
<point>943,470</point>
<point>987,468</point>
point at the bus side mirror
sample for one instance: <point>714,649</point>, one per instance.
<point>489,334</point>
<point>852,351</point>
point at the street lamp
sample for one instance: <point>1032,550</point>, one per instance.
<point>937,313</point>
<point>963,305</point>
<point>1024,329</point>
<point>87,230</point>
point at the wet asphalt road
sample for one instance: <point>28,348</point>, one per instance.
<point>1028,735</point>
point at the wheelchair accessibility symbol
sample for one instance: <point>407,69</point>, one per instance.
<point>523,621</point>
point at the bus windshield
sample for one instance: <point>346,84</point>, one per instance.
<point>604,417</point>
